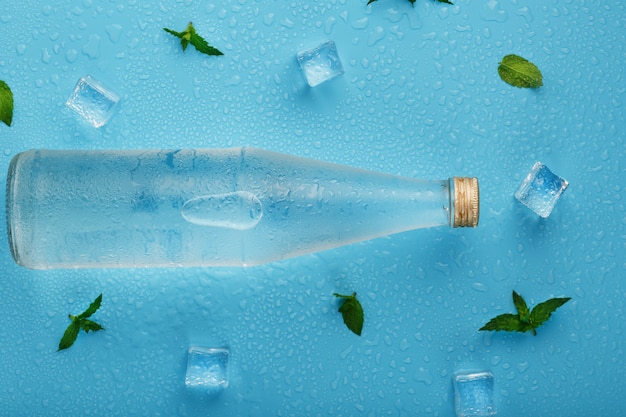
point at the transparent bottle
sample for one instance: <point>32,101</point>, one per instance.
<point>222,207</point>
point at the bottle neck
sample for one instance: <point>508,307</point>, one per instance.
<point>466,202</point>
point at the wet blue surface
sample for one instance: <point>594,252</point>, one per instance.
<point>420,97</point>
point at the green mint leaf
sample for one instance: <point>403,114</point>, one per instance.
<point>542,311</point>
<point>525,321</point>
<point>187,34</point>
<point>184,43</point>
<point>81,322</point>
<point>352,312</point>
<point>179,35</point>
<point>190,36</point>
<point>504,322</point>
<point>70,335</point>
<point>522,309</point>
<point>202,46</point>
<point>88,325</point>
<point>519,72</point>
<point>6,103</point>
<point>183,36</point>
<point>93,307</point>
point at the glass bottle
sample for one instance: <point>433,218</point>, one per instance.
<point>222,207</point>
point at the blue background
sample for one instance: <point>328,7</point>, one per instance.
<point>420,97</point>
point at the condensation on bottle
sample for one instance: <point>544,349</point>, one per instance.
<point>210,207</point>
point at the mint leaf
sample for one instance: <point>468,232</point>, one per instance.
<point>542,311</point>
<point>88,325</point>
<point>6,103</point>
<point>504,322</point>
<point>93,307</point>
<point>183,36</point>
<point>525,321</point>
<point>352,312</point>
<point>79,323</point>
<point>179,35</point>
<point>522,309</point>
<point>190,36</point>
<point>70,335</point>
<point>202,46</point>
<point>519,72</point>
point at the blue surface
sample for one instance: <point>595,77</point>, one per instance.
<point>420,97</point>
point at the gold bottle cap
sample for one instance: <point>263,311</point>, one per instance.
<point>466,202</point>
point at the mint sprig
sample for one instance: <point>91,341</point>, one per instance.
<point>525,320</point>
<point>352,312</point>
<point>81,322</point>
<point>190,36</point>
<point>519,72</point>
<point>6,103</point>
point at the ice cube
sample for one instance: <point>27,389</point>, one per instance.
<point>541,189</point>
<point>473,394</point>
<point>93,101</point>
<point>320,64</point>
<point>207,369</point>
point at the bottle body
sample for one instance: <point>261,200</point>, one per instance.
<point>222,207</point>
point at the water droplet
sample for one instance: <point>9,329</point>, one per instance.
<point>234,80</point>
<point>329,25</point>
<point>92,47</point>
<point>268,19</point>
<point>114,31</point>
<point>526,14</point>
<point>71,55</point>
<point>492,11</point>
<point>414,22</point>
<point>361,23</point>
<point>522,367</point>
<point>335,383</point>
<point>396,31</point>
<point>45,56</point>
<point>286,22</point>
<point>376,35</point>
<point>424,375</point>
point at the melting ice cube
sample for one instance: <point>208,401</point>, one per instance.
<point>207,369</point>
<point>320,64</point>
<point>93,101</point>
<point>473,394</point>
<point>541,189</point>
